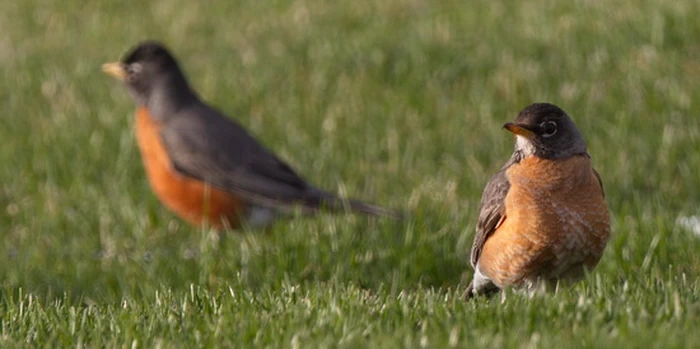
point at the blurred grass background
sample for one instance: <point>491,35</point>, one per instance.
<point>399,102</point>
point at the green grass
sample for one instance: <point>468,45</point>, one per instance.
<point>399,102</point>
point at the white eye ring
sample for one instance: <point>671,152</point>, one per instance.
<point>134,68</point>
<point>549,129</point>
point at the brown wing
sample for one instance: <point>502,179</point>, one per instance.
<point>491,210</point>
<point>600,181</point>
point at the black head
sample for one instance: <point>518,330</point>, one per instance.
<point>150,70</point>
<point>150,52</point>
<point>546,131</point>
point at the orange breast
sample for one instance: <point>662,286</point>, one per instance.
<point>556,223</point>
<point>191,199</point>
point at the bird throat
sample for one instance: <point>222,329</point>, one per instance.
<point>524,146</point>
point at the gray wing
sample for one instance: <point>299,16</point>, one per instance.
<point>212,148</point>
<point>491,210</point>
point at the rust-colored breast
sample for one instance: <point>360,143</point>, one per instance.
<point>191,199</point>
<point>556,223</point>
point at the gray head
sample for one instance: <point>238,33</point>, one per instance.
<point>153,78</point>
<point>545,131</point>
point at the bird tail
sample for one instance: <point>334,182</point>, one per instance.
<point>332,202</point>
<point>373,210</point>
<point>469,292</point>
<point>487,291</point>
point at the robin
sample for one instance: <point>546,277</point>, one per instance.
<point>204,166</point>
<point>543,216</point>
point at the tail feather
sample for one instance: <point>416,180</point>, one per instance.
<point>330,201</point>
<point>374,210</point>
<point>485,292</point>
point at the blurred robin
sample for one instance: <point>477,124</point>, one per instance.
<point>543,216</point>
<point>204,166</point>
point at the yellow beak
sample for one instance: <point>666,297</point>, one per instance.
<point>519,130</point>
<point>115,69</point>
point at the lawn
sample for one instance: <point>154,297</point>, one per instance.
<point>399,102</point>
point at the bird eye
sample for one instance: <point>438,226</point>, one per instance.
<point>549,129</point>
<point>134,68</point>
